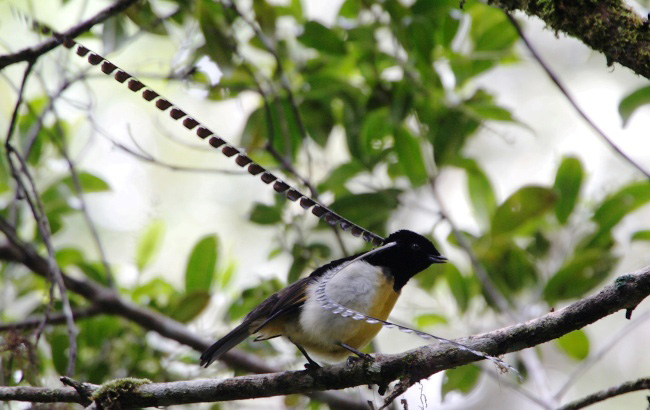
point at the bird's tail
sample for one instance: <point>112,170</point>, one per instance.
<point>232,339</point>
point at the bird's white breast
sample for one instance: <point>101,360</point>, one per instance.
<point>359,286</point>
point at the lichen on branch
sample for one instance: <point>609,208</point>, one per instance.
<point>608,26</point>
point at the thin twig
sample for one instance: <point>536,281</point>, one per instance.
<point>33,199</point>
<point>493,293</point>
<point>281,159</point>
<point>31,53</point>
<point>602,351</point>
<point>627,387</point>
<point>268,44</point>
<point>53,319</point>
<point>556,80</point>
<point>498,377</point>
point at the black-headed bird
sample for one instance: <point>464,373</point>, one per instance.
<point>369,283</point>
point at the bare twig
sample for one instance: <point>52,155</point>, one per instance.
<point>53,319</point>
<point>284,162</point>
<point>492,292</point>
<point>602,351</point>
<point>627,292</point>
<point>51,43</point>
<point>627,387</point>
<point>531,360</point>
<point>556,80</point>
<point>147,157</point>
<point>31,195</point>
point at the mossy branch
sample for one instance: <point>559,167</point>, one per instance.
<point>608,26</point>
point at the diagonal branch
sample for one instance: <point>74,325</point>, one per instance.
<point>610,27</point>
<point>626,292</point>
<point>52,319</point>
<point>34,52</point>
<point>627,387</point>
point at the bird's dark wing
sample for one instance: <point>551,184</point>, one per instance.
<point>284,302</point>
<point>291,298</point>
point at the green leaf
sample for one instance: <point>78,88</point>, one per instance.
<point>370,210</point>
<point>490,29</point>
<point>567,186</point>
<point>94,270</point>
<point>449,131</point>
<point>430,320</point>
<point>189,306</point>
<point>337,178</point>
<point>316,35</point>
<point>458,286</point>
<point>68,256</point>
<point>226,275</point>
<point>59,343</point>
<point>265,214</point>
<point>350,9</point>
<point>632,102</point>
<point>89,183</point>
<point>149,244</point>
<point>510,268</point>
<point>489,111</point>
<point>410,156</point>
<point>461,379</point>
<point>265,16</point>
<point>586,270</point>
<point>218,45</point>
<point>376,126</point>
<point>527,203</point>
<point>143,16</point>
<point>202,264</point>
<point>617,206</point>
<point>575,344</point>
<point>641,236</point>
<point>480,190</point>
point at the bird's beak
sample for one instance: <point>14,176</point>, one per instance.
<point>437,259</point>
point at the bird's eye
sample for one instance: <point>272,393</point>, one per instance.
<point>415,247</point>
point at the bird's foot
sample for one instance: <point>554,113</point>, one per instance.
<point>312,366</point>
<point>365,357</point>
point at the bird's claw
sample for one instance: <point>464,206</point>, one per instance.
<point>363,356</point>
<point>312,366</point>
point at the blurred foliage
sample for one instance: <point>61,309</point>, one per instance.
<point>376,75</point>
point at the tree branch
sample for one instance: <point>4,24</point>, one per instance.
<point>52,319</point>
<point>626,292</point>
<point>32,53</point>
<point>627,387</point>
<point>610,27</point>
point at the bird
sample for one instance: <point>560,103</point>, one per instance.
<point>369,282</point>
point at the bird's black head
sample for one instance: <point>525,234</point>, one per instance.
<point>409,255</point>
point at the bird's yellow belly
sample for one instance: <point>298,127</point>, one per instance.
<point>365,332</point>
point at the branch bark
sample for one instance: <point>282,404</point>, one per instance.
<point>627,387</point>
<point>625,293</point>
<point>608,26</point>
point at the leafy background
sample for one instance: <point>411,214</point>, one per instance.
<point>397,101</point>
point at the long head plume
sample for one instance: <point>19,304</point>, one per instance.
<point>319,210</point>
<point>202,131</point>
